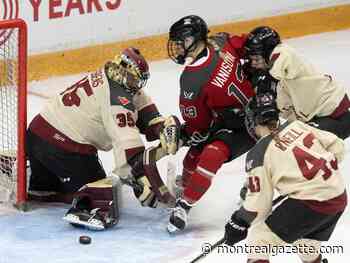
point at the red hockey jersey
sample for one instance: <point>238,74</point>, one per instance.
<point>211,83</point>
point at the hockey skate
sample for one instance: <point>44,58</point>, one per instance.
<point>178,217</point>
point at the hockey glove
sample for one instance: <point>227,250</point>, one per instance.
<point>244,191</point>
<point>231,118</point>
<point>263,82</point>
<point>170,135</point>
<point>198,138</point>
<point>144,192</point>
<point>235,230</point>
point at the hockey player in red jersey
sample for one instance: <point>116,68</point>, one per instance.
<point>213,92</point>
<point>106,110</point>
<point>301,163</point>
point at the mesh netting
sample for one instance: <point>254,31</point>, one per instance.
<point>8,113</point>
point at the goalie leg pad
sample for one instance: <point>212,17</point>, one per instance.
<point>94,207</point>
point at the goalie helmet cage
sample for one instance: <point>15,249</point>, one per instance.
<point>13,111</point>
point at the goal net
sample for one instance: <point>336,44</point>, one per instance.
<point>13,115</point>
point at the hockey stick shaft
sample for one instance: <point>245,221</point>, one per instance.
<point>278,199</point>
<point>222,240</point>
<point>211,248</point>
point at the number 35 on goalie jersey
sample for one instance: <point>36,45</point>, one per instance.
<point>302,162</point>
<point>98,111</point>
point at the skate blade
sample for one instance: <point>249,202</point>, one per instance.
<point>173,230</point>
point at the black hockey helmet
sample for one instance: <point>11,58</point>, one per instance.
<point>184,35</point>
<point>261,41</point>
<point>260,110</point>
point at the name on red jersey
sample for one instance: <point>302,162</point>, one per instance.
<point>224,71</point>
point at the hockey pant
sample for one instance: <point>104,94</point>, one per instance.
<point>199,167</point>
<point>292,223</point>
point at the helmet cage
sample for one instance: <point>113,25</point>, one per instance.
<point>184,36</point>
<point>260,110</point>
<point>178,49</point>
<point>132,70</point>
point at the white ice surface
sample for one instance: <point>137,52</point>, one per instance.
<point>42,236</point>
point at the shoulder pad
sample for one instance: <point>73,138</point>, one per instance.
<point>118,96</point>
<point>191,82</point>
<point>256,155</point>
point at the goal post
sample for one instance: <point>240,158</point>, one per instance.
<point>13,111</point>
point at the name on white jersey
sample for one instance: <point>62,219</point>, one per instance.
<point>287,139</point>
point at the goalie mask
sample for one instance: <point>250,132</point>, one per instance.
<point>261,110</point>
<point>184,36</point>
<point>129,69</point>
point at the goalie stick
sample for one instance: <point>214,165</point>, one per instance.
<point>116,194</point>
<point>172,177</point>
<point>222,240</point>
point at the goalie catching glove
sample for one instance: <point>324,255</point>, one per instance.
<point>170,137</point>
<point>173,136</point>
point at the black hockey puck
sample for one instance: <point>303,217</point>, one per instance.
<point>84,240</point>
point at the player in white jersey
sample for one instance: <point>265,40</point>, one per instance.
<point>303,92</point>
<point>300,162</point>
<point>105,110</point>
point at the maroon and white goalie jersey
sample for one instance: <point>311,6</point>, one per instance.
<point>301,163</point>
<point>98,111</point>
